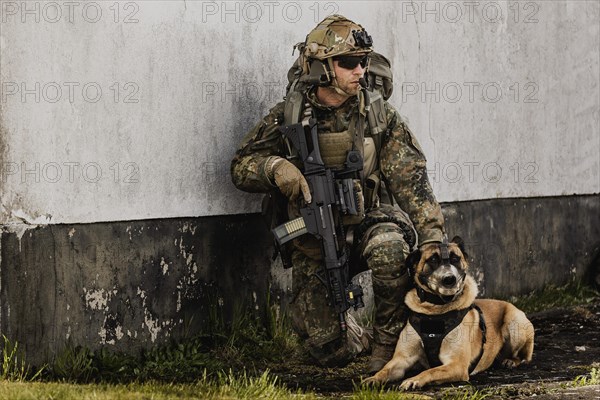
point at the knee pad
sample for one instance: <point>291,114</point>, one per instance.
<point>385,251</point>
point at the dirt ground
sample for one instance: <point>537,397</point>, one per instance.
<point>567,345</point>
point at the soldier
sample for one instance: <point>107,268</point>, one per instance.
<point>334,60</point>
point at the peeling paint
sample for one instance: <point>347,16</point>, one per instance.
<point>23,217</point>
<point>182,248</point>
<point>103,332</point>
<point>19,229</point>
<point>164,265</point>
<point>150,323</point>
<point>188,227</point>
<point>71,232</point>
<point>132,335</point>
<point>119,332</point>
<point>97,299</point>
<point>190,278</point>
<point>20,222</point>
<point>255,298</point>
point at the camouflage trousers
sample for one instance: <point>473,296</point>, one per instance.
<point>383,247</point>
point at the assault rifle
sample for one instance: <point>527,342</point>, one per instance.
<point>333,195</point>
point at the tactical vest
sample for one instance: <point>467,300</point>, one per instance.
<point>369,123</point>
<point>374,125</point>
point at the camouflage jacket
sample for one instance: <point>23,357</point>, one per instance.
<point>401,160</point>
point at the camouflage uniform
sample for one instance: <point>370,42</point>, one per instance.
<point>382,242</point>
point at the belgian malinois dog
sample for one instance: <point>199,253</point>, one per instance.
<point>448,332</point>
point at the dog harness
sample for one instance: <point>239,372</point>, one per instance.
<point>434,328</point>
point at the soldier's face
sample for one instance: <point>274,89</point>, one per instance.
<point>347,79</point>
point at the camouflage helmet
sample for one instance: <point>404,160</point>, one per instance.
<point>335,36</point>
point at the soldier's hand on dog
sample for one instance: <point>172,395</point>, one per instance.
<point>289,180</point>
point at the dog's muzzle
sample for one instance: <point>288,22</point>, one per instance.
<point>447,280</point>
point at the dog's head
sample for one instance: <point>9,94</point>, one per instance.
<point>434,273</point>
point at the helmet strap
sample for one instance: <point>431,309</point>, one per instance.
<point>333,79</point>
<point>331,69</point>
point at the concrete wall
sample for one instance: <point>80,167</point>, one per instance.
<point>132,285</point>
<point>519,245</point>
<point>128,285</point>
<point>118,122</point>
<point>133,111</point>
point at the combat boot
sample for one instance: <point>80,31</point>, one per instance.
<point>382,353</point>
<point>359,339</point>
<point>340,352</point>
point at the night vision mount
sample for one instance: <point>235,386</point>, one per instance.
<point>362,38</point>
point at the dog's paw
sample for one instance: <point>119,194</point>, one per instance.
<point>411,384</point>
<point>376,379</point>
<point>370,381</point>
<point>511,363</point>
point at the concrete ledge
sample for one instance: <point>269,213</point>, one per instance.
<point>519,245</point>
<point>127,285</point>
<point>130,285</point>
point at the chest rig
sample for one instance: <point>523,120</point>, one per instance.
<point>369,122</point>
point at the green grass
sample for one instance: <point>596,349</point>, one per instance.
<point>393,393</point>
<point>466,393</point>
<point>224,386</point>
<point>14,367</point>
<point>364,392</point>
<point>223,362</point>
<point>571,294</point>
<point>593,378</point>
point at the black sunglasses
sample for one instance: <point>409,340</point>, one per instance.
<point>350,62</point>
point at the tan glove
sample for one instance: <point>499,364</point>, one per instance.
<point>289,179</point>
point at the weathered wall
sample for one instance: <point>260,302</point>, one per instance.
<point>520,245</point>
<point>128,284</point>
<point>131,111</point>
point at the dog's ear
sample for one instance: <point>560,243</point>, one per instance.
<point>461,245</point>
<point>411,261</point>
